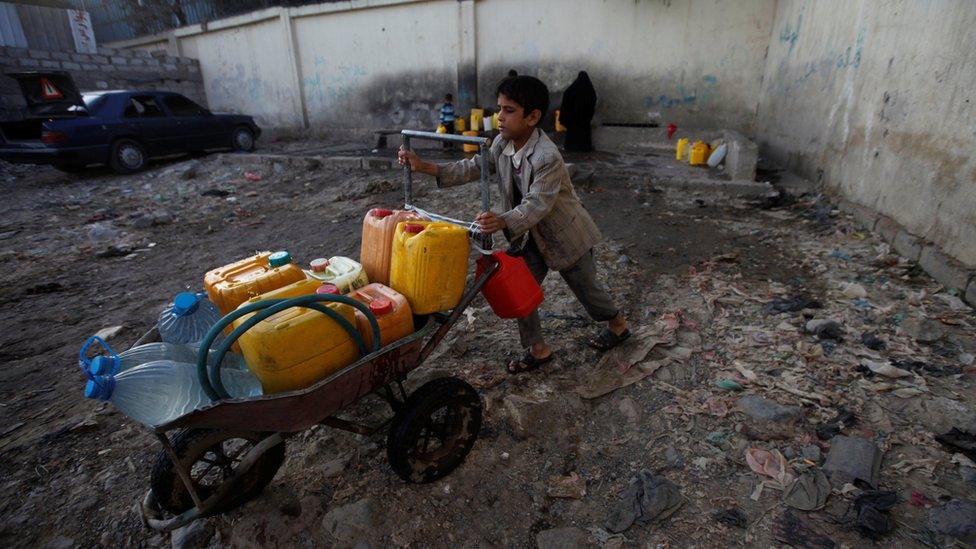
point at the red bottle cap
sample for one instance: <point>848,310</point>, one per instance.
<point>380,212</point>
<point>330,289</point>
<point>381,306</point>
<point>412,229</point>
<point>319,265</point>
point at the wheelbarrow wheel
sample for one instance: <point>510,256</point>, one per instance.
<point>434,430</point>
<point>212,456</point>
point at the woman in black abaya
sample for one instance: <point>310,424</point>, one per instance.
<point>576,113</point>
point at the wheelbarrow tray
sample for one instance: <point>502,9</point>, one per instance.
<point>294,411</point>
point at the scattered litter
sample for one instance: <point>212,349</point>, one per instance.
<point>251,176</point>
<point>771,464</point>
<point>919,499</point>
<point>728,384</point>
<point>959,441</point>
<point>956,519</point>
<point>854,291</point>
<point>648,498</point>
<point>793,531</point>
<point>808,492</point>
<point>219,193</point>
<point>885,369</point>
<point>923,330</point>
<point>110,332</point>
<point>841,421</point>
<point>853,460</point>
<point>759,408</point>
<point>869,513</point>
<point>790,305</point>
<point>732,517</point>
<point>926,368</point>
<point>873,342</point>
<point>571,486</point>
<point>825,329</point>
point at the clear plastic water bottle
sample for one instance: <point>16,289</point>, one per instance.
<point>163,390</point>
<point>104,365</point>
<point>188,319</point>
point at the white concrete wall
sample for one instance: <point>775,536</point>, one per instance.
<point>379,67</point>
<point>697,63</point>
<point>247,69</point>
<point>876,99</point>
<point>388,63</point>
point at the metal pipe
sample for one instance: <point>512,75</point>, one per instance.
<point>470,140</point>
<point>407,174</point>
<point>485,205</point>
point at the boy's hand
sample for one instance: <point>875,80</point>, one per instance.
<point>490,222</point>
<point>405,157</point>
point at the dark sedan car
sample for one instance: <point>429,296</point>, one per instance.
<point>123,129</point>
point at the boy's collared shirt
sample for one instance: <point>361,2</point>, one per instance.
<point>548,208</point>
<point>514,156</point>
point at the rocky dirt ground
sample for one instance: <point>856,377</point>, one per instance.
<point>785,386</point>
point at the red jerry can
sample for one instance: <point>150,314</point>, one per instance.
<point>512,291</point>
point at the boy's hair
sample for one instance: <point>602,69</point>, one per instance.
<point>449,97</point>
<point>527,91</point>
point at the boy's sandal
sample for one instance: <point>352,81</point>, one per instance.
<point>526,363</point>
<point>607,340</point>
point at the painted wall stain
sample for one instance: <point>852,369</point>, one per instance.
<point>702,93</point>
<point>791,32</point>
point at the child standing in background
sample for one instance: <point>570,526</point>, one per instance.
<point>448,116</point>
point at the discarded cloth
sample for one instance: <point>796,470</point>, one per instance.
<point>869,513</point>
<point>790,305</point>
<point>959,441</point>
<point>771,464</point>
<point>732,517</point>
<point>808,492</point>
<point>791,530</point>
<point>648,498</point>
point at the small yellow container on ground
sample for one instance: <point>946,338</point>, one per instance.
<point>470,148</point>
<point>699,153</point>
<point>459,125</point>
<point>681,151</point>
<point>429,264</point>
<point>477,116</point>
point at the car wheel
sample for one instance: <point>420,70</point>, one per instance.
<point>243,139</point>
<point>128,156</point>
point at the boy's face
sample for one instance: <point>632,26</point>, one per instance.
<point>512,121</point>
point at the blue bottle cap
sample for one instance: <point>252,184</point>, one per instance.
<point>103,365</point>
<point>185,303</point>
<point>279,259</point>
<point>100,387</point>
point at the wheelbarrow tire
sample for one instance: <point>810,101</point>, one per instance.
<point>191,446</point>
<point>434,430</point>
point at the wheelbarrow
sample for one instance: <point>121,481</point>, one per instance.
<point>218,457</point>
